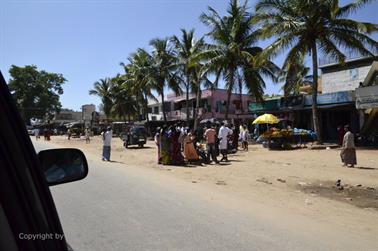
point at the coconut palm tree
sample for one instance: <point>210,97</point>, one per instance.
<point>125,104</point>
<point>136,78</point>
<point>307,27</point>
<point>102,89</point>
<point>295,75</point>
<point>162,72</point>
<point>234,53</point>
<point>187,49</point>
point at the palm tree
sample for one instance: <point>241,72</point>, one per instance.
<point>234,53</point>
<point>309,26</point>
<point>136,78</point>
<point>102,89</point>
<point>124,102</point>
<point>163,71</point>
<point>295,75</point>
<point>187,50</point>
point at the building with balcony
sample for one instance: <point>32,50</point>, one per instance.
<point>212,105</point>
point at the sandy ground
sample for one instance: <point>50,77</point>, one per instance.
<point>297,181</point>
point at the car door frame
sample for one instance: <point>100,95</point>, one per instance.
<point>24,194</point>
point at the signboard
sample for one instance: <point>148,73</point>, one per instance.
<point>268,105</point>
<point>331,98</point>
<point>367,97</point>
<point>291,102</point>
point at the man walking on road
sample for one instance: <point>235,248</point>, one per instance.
<point>210,135</point>
<point>223,134</point>
<point>106,139</point>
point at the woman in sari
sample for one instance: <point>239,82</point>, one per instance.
<point>165,157</point>
<point>190,153</point>
<point>175,146</point>
<point>157,142</point>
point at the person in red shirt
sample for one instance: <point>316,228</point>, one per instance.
<point>210,135</point>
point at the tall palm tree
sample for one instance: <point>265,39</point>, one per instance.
<point>200,77</point>
<point>305,27</point>
<point>124,102</point>
<point>136,78</point>
<point>187,49</point>
<point>234,53</point>
<point>163,71</point>
<point>295,75</point>
<point>102,89</point>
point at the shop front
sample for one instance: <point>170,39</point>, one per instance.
<point>335,110</point>
<point>367,104</point>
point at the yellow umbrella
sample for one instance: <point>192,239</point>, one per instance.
<point>266,119</point>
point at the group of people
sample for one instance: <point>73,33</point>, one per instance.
<point>46,134</point>
<point>178,144</point>
<point>87,134</point>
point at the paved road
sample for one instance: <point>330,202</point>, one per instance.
<point>118,207</point>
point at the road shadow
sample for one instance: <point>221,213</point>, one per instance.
<point>236,160</point>
<point>137,147</point>
<point>224,164</point>
<point>113,161</point>
<point>366,168</point>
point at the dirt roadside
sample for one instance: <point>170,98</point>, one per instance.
<point>299,181</point>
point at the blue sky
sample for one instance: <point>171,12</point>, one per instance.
<point>86,40</point>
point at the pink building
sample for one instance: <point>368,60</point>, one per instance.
<point>212,105</point>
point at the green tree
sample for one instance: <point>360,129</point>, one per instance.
<point>295,75</point>
<point>163,71</point>
<point>136,78</point>
<point>124,102</point>
<point>305,27</point>
<point>234,53</point>
<point>35,92</point>
<point>102,89</point>
<point>187,49</point>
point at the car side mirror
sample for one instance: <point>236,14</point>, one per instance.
<point>63,165</point>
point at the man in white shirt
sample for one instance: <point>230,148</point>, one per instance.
<point>223,134</point>
<point>106,140</point>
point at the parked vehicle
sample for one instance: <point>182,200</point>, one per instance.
<point>136,135</point>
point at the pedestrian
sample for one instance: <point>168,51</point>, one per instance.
<point>241,135</point>
<point>175,151</point>
<point>69,133</point>
<point>244,134</point>
<point>48,134</point>
<point>182,136</point>
<point>340,132</point>
<point>106,140</point>
<point>190,153</point>
<point>36,134</point>
<point>256,132</point>
<point>223,135</point>
<point>157,142</point>
<point>210,135</point>
<point>44,134</point>
<point>165,157</point>
<point>87,133</point>
<point>348,152</point>
<point>234,137</point>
